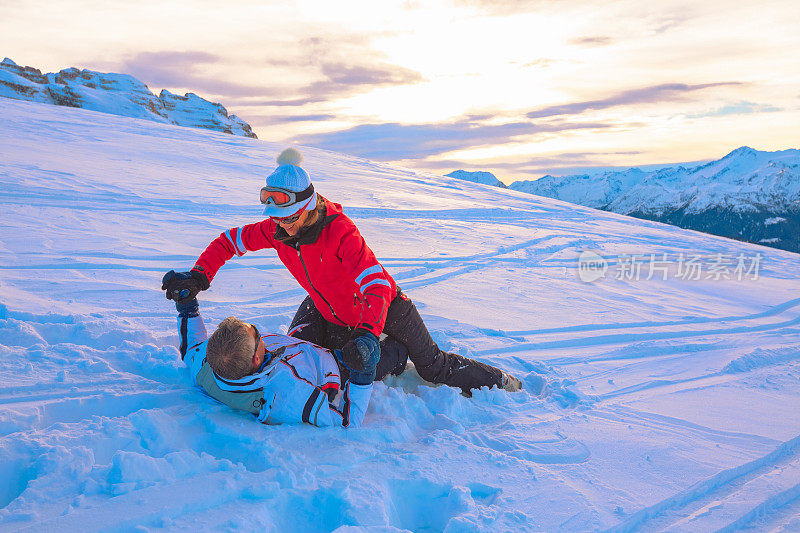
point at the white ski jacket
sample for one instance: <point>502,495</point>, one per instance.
<point>298,382</point>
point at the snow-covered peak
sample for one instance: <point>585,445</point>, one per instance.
<point>191,110</point>
<point>487,178</point>
<point>117,94</point>
<point>741,180</point>
<point>742,151</point>
<point>589,190</point>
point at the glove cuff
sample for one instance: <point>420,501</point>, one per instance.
<point>361,332</point>
<point>188,308</point>
<point>362,378</point>
<point>200,277</point>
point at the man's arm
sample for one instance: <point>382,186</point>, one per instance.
<point>361,358</point>
<point>355,400</point>
<point>191,328</point>
<point>192,332</point>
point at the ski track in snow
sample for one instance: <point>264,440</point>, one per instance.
<point>697,507</point>
<point>670,405</point>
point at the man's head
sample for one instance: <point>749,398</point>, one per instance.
<point>235,349</point>
<point>288,191</point>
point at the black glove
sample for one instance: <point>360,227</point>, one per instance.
<point>183,286</point>
<point>361,355</point>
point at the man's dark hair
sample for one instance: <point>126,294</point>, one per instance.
<point>230,349</point>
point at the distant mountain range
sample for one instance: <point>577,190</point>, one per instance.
<point>748,195</point>
<point>117,94</point>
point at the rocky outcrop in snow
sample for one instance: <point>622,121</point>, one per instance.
<point>487,178</point>
<point>748,195</point>
<point>117,94</point>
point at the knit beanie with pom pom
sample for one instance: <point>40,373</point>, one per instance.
<point>291,178</point>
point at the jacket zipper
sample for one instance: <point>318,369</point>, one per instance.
<point>302,262</point>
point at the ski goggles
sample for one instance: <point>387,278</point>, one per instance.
<point>284,197</point>
<point>258,340</point>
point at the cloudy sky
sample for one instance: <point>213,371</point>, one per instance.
<point>518,88</point>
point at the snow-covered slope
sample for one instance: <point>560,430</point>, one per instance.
<point>733,196</point>
<point>487,178</point>
<point>673,402</point>
<point>117,94</point>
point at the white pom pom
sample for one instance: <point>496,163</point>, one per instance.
<point>290,156</point>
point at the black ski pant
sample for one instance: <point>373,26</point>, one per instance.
<point>406,337</point>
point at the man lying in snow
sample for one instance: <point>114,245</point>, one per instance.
<point>277,378</point>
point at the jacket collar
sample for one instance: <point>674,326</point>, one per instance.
<point>310,234</point>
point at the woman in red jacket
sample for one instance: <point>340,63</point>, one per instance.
<point>351,298</point>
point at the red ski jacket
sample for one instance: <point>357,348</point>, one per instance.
<point>330,260</point>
